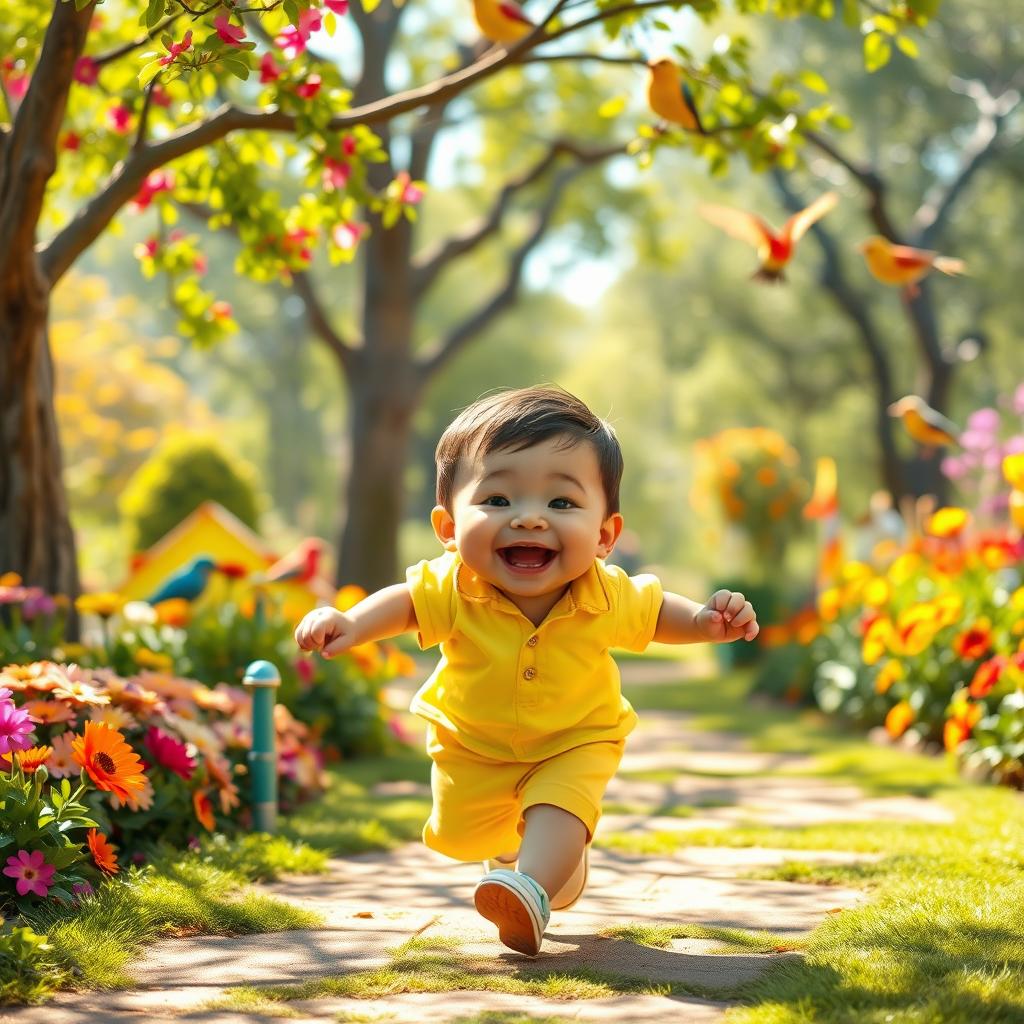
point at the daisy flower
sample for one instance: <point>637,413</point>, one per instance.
<point>108,760</point>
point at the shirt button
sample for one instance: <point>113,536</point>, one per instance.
<point>529,673</point>
<point>532,642</point>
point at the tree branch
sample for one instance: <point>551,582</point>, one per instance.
<point>317,316</point>
<point>446,350</point>
<point>933,212</point>
<point>429,266</point>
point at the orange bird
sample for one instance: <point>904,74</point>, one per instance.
<point>903,265</point>
<point>501,21</point>
<point>669,96</point>
<point>924,424</point>
<point>774,248</point>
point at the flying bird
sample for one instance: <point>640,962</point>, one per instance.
<point>669,95</point>
<point>501,21</point>
<point>774,248</point>
<point>904,265</point>
<point>187,583</point>
<point>924,424</point>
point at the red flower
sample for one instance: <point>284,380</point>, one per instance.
<point>176,49</point>
<point>230,34</point>
<point>71,141</point>
<point>119,119</point>
<point>975,641</point>
<point>987,675</point>
<point>170,753</point>
<point>338,6</point>
<point>155,183</point>
<point>269,71</point>
<point>309,88</point>
<point>86,71</point>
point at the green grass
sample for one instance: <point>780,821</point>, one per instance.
<point>93,945</point>
<point>810,873</point>
<point>730,940</point>
<point>350,818</point>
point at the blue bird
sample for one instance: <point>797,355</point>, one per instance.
<point>187,583</point>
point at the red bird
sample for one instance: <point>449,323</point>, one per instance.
<point>300,565</point>
<point>774,248</point>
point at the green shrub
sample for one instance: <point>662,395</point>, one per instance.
<point>181,474</point>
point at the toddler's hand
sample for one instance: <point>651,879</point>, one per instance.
<point>326,630</point>
<point>726,617</point>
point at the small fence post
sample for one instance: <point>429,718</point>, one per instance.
<point>263,679</point>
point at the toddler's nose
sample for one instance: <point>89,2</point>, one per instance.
<point>530,521</point>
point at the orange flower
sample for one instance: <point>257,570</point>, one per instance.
<point>878,638</point>
<point>349,595</point>
<point>103,853</point>
<point>899,718</point>
<point>32,759</point>
<point>108,760</point>
<point>917,626</point>
<point>174,612</point>
<point>975,641</point>
<point>963,718</point>
<point>48,712</point>
<point>204,809</point>
<point>889,673</point>
<point>987,675</point>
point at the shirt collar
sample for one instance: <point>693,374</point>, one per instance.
<point>588,592</point>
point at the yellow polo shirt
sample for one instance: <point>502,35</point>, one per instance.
<point>518,692</point>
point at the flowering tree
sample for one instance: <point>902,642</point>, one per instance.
<point>170,104</point>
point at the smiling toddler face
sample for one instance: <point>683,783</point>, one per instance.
<point>530,521</point>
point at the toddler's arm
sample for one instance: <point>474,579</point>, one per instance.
<point>384,614</point>
<point>726,617</point>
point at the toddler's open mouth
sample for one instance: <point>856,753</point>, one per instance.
<point>527,558</point>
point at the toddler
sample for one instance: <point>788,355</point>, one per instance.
<point>526,723</point>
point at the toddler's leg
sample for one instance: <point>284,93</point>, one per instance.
<point>553,842</point>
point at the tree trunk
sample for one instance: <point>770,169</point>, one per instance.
<point>36,539</point>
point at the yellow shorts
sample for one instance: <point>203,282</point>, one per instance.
<point>479,802</point>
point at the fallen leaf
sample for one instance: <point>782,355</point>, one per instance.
<point>364,913</point>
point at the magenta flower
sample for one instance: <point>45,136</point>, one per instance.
<point>15,725</point>
<point>348,234</point>
<point>348,145</point>
<point>170,753</point>
<point>86,71</point>
<point>155,183</point>
<point>32,872</point>
<point>175,50</point>
<point>230,34</point>
<point>336,174</point>
<point>309,88</point>
<point>409,193</point>
<point>338,6</point>
<point>119,119</point>
<point>292,39</point>
<point>37,603</point>
<point>985,421</point>
<point>81,890</point>
<point>269,71</point>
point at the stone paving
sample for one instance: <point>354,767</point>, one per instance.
<point>372,903</point>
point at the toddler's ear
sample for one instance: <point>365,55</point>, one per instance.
<point>444,526</point>
<point>610,530</point>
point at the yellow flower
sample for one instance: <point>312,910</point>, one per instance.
<point>877,640</point>
<point>829,604</point>
<point>898,720</point>
<point>104,604</point>
<point>903,568</point>
<point>856,571</point>
<point>347,596</point>
<point>1013,470</point>
<point>1017,508</point>
<point>917,626</point>
<point>877,592</point>
<point>948,522</point>
<point>152,659</point>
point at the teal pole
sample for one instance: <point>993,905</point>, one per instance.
<point>263,679</point>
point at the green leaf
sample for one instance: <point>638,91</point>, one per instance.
<point>908,46</point>
<point>851,13</point>
<point>149,72</point>
<point>813,80</point>
<point>237,68</point>
<point>291,11</point>
<point>612,107</point>
<point>154,12</point>
<point>877,51</point>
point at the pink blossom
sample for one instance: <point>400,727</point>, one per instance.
<point>309,88</point>
<point>953,468</point>
<point>15,725</point>
<point>71,141</point>
<point>348,145</point>
<point>292,39</point>
<point>230,34</point>
<point>269,71</point>
<point>156,182</point>
<point>176,49</point>
<point>159,96</point>
<point>336,174</point>
<point>199,264</point>
<point>87,71</point>
<point>220,310</point>
<point>17,86</point>
<point>148,249</point>
<point>984,421</point>
<point>1014,445</point>
<point>992,459</point>
<point>409,193</point>
<point>32,872</point>
<point>338,6</point>
<point>119,119</point>
<point>170,753</point>
<point>348,234</point>
<point>1018,400</point>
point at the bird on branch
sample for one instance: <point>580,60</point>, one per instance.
<point>903,265</point>
<point>501,21</point>
<point>669,95</point>
<point>774,248</point>
<point>925,425</point>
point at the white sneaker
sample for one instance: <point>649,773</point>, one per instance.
<point>517,905</point>
<point>573,888</point>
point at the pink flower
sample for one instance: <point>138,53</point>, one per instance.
<point>17,86</point>
<point>293,39</point>
<point>305,670</point>
<point>309,88</point>
<point>61,763</point>
<point>348,234</point>
<point>176,49</point>
<point>86,71</point>
<point>230,34</point>
<point>199,264</point>
<point>336,174</point>
<point>15,725</point>
<point>348,145</point>
<point>220,310</point>
<point>338,6</point>
<point>156,182</point>
<point>1018,400</point>
<point>269,71</point>
<point>32,872</point>
<point>409,193</point>
<point>147,250</point>
<point>71,142</point>
<point>170,753</point>
<point>159,96</point>
<point>119,119</point>
<point>985,421</point>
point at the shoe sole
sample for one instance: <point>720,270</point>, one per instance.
<point>508,907</point>
<point>583,884</point>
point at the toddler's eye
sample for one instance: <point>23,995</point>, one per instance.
<point>495,500</point>
<point>562,503</point>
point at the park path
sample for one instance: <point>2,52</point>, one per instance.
<point>372,903</point>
